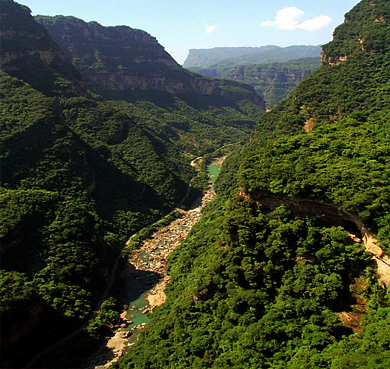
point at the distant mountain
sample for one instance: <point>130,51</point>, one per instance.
<point>229,56</point>
<point>273,71</point>
<point>274,81</point>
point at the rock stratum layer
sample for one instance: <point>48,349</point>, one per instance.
<point>118,61</point>
<point>28,52</point>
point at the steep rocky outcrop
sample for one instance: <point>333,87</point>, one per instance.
<point>28,52</point>
<point>119,62</point>
<point>365,28</point>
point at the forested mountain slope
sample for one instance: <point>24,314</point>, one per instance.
<point>81,173</point>
<point>354,76</point>
<point>275,275</point>
<point>76,180</point>
<point>130,66</point>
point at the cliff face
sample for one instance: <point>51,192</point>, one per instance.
<point>95,49</point>
<point>118,61</point>
<point>365,29</point>
<point>28,52</point>
<point>275,81</point>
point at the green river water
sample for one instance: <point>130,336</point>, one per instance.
<point>214,170</point>
<point>135,311</point>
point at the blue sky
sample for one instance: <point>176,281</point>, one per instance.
<point>180,25</point>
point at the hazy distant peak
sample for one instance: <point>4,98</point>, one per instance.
<point>249,55</point>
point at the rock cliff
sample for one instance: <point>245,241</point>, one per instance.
<point>365,29</point>
<point>28,52</point>
<point>118,62</point>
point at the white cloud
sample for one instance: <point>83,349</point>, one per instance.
<point>168,49</point>
<point>289,19</point>
<point>316,23</point>
<point>210,29</point>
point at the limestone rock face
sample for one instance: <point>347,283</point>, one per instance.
<point>93,46</point>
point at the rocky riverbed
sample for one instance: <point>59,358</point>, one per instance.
<point>145,277</point>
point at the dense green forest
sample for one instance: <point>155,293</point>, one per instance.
<point>66,209</point>
<point>275,274</point>
<point>259,287</point>
<point>97,145</point>
<point>82,170</point>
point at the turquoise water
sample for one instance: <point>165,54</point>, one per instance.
<point>214,170</point>
<point>135,311</point>
<point>135,314</point>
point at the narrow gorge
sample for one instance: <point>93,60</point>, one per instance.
<point>145,274</point>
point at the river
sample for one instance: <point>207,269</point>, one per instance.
<point>145,277</point>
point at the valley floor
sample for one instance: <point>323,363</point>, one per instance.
<point>145,277</point>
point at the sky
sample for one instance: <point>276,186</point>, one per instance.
<point>180,25</point>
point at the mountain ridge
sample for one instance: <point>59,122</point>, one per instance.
<point>118,61</point>
<point>27,52</point>
<point>252,55</point>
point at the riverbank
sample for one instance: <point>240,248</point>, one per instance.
<point>145,278</point>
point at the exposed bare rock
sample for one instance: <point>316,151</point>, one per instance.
<point>29,53</point>
<point>121,62</point>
